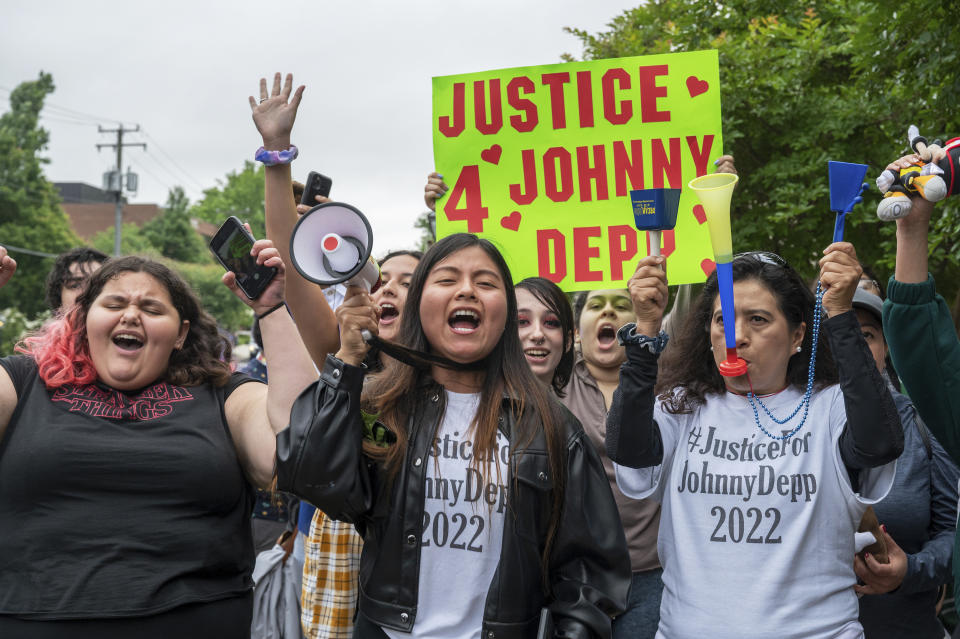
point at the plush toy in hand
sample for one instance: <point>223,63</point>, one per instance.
<point>936,176</point>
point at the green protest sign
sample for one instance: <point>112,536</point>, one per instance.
<point>541,160</point>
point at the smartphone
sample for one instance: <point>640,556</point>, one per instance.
<point>316,184</point>
<point>231,246</point>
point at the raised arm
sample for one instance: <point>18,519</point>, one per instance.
<point>911,267</point>
<point>919,329</point>
<point>256,413</point>
<point>633,438</point>
<point>320,457</point>
<point>872,435</point>
<point>274,116</point>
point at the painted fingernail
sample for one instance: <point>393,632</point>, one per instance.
<point>884,526</point>
<point>716,162</point>
<point>439,176</point>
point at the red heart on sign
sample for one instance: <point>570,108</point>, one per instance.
<point>700,214</point>
<point>511,221</point>
<point>491,155</point>
<point>696,86</point>
<point>708,266</point>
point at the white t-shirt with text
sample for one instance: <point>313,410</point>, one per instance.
<point>757,534</point>
<point>462,528</point>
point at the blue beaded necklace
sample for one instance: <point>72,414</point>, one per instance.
<point>805,402</point>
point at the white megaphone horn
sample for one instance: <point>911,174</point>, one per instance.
<point>331,244</point>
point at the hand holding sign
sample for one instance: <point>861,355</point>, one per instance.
<point>435,189</point>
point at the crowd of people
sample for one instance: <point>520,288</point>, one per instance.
<point>458,455</point>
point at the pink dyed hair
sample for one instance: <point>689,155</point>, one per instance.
<point>60,350</point>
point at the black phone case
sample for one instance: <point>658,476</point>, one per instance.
<point>317,184</point>
<point>254,283</point>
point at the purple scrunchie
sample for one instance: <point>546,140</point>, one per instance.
<point>271,158</point>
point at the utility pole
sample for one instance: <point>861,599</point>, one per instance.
<point>118,192</point>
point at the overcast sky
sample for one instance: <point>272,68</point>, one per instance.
<point>183,71</point>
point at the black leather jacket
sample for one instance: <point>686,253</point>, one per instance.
<point>320,458</point>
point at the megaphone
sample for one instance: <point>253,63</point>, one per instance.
<point>331,244</point>
<point>715,191</point>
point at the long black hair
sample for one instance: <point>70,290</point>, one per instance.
<point>396,394</point>
<point>550,295</point>
<point>688,371</point>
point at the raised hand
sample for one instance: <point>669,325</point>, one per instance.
<point>839,274</point>
<point>434,190</point>
<point>8,267</point>
<point>649,293</point>
<point>276,112</point>
<point>356,314</point>
<point>724,164</point>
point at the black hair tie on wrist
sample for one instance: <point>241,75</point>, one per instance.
<point>262,315</point>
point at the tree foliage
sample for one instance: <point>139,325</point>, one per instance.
<point>30,213</point>
<point>241,194</point>
<point>172,234</point>
<point>133,241</point>
<point>218,300</point>
<point>427,234</point>
<point>806,83</point>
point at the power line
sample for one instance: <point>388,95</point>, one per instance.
<point>151,174</point>
<point>67,111</point>
<point>54,118</point>
<point>160,148</point>
<point>176,178</point>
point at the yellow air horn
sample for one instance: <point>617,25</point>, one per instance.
<point>715,191</point>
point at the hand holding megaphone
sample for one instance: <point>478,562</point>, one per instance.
<point>331,244</point>
<point>359,318</point>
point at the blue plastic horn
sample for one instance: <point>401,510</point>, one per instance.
<point>846,187</point>
<point>655,210</point>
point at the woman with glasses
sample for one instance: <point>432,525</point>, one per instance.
<point>762,478</point>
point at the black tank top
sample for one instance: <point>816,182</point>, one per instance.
<point>118,504</point>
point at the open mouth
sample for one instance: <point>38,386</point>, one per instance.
<point>536,355</point>
<point>388,313</point>
<point>606,335</point>
<point>128,342</point>
<point>464,321</point>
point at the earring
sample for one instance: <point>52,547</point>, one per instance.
<point>799,348</point>
<point>711,347</point>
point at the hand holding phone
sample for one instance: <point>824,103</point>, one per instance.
<point>231,246</point>
<point>316,184</point>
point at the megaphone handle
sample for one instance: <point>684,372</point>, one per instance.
<point>653,241</point>
<point>838,228</point>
